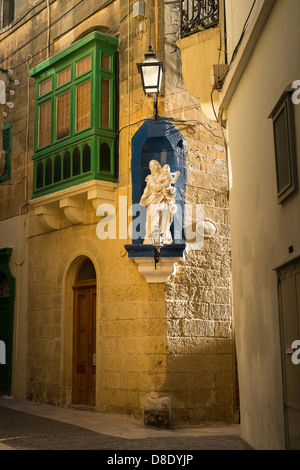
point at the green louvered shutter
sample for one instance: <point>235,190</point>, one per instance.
<point>6,145</point>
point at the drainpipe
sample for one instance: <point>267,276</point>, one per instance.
<point>48,31</point>
<point>2,102</point>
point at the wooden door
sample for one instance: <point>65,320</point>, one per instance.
<point>84,347</point>
<point>289,294</point>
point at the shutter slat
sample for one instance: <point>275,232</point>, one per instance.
<point>6,143</point>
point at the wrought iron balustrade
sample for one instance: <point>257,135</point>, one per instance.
<point>197,15</point>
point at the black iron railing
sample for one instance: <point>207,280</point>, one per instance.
<point>197,15</point>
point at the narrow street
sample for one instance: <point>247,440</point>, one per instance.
<point>33,426</point>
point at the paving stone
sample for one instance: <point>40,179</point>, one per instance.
<point>21,430</point>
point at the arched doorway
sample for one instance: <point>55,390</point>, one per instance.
<point>84,336</point>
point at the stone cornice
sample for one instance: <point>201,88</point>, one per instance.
<point>62,208</point>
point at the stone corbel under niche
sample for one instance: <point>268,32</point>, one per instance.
<point>156,273</point>
<point>66,207</point>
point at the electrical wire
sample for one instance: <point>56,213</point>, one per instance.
<point>108,2</point>
<point>193,122</point>
<point>120,21</point>
<point>236,49</point>
<point>242,36</point>
<point>18,20</point>
<point>178,120</point>
<point>49,25</point>
<point>219,83</point>
<point>41,32</point>
<point>48,45</point>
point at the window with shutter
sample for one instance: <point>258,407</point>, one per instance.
<point>5,165</point>
<point>7,12</point>
<point>75,115</point>
<point>285,148</point>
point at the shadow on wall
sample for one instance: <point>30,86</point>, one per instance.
<point>200,384</point>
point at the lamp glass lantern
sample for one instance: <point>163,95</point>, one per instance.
<point>157,238</point>
<point>151,71</point>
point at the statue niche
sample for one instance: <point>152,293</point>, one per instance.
<point>159,199</point>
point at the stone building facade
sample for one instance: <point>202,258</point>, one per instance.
<point>96,322</point>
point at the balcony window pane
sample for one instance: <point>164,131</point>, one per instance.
<point>105,158</point>
<point>45,123</point>
<point>105,103</point>
<point>76,162</point>
<point>83,65</point>
<point>45,86</point>
<point>67,166</point>
<point>64,76</point>
<point>48,174</point>
<point>57,169</point>
<point>86,158</point>
<point>40,175</point>
<point>83,106</point>
<point>105,62</point>
<point>63,115</point>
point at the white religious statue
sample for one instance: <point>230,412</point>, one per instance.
<point>159,199</point>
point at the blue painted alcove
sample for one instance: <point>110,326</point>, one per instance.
<point>158,139</point>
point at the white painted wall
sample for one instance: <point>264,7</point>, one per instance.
<point>262,230</point>
<point>236,14</point>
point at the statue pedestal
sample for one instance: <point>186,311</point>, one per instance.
<point>159,272</point>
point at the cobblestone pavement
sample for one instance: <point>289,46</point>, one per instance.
<point>32,426</point>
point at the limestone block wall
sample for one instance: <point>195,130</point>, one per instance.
<point>201,359</point>
<point>199,314</point>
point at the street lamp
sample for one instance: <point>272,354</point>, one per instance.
<point>151,71</point>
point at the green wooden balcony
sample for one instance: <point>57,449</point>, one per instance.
<point>89,158</point>
<point>76,116</point>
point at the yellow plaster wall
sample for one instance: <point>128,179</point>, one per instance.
<point>199,53</point>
